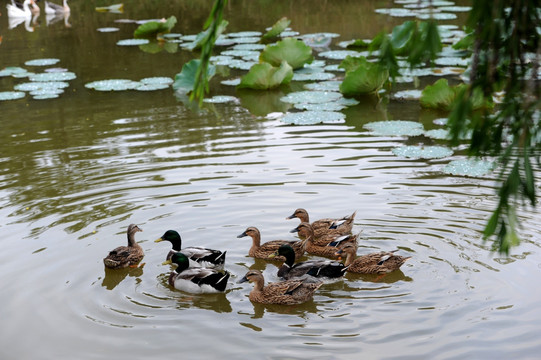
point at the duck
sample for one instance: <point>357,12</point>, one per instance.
<point>382,262</point>
<point>15,12</point>
<point>52,8</point>
<point>316,268</point>
<point>198,256</point>
<point>197,280</point>
<point>124,256</point>
<point>263,251</point>
<point>324,227</point>
<point>330,247</point>
<point>287,292</point>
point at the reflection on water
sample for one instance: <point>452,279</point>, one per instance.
<point>76,170</point>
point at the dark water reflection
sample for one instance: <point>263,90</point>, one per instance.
<point>76,170</point>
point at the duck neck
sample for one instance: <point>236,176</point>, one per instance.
<point>259,284</point>
<point>349,258</point>
<point>177,243</point>
<point>131,239</point>
<point>256,240</point>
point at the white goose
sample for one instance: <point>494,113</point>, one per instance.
<point>14,11</point>
<point>51,8</point>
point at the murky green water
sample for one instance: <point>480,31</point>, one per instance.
<point>78,169</point>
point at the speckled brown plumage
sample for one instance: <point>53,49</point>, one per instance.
<point>329,248</point>
<point>289,292</point>
<point>124,256</point>
<point>382,262</point>
<point>263,251</point>
<point>322,227</point>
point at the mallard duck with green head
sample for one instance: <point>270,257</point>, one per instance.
<point>382,262</point>
<point>198,256</point>
<point>319,268</point>
<point>195,279</point>
<point>322,228</point>
<point>329,248</point>
<point>262,251</point>
<point>288,292</point>
<point>124,256</point>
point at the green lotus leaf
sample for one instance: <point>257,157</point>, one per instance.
<point>350,63</point>
<point>277,28</point>
<point>367,78</point>
<point>294,51</point>
<point>402,35</point>
<point>201,38</point>
<point>357,44</point>
<point>441,96</point>
<point>153,28</point>
<point>264,76</point>
<point>184,81</point>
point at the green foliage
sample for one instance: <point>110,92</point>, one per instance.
<point>294,51</point>
<point>277,28</point>
<point>153,28</point>
<point>264,76</point>
<point>204,36</point>
<point>503,33</point>
<point>358,44</point>
<point>362,77</point>
<point>185,80</point>
<point>214,26</point>
<point>442,96</point>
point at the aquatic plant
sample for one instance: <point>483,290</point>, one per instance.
<point>362,77</point>
<point>264,76</point>
<point>294,51</point>
<point>277,28</point>
<point>154,28</point>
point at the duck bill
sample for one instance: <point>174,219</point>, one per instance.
<point>241,235</point>
<point>158,240</point>
<point>294,230</point>
<point>167,262</point>
<point>243,280</point>
<point>291,217</point>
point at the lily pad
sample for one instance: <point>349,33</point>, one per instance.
<point>11,95</point>
<point>396,12</point>
<point>35,85</point>
<point>239,53</point>
<point>112,85</point>
<point>338,54</point>
<point>264,76</point>
<point>407,95</point>
<point>294,51</point>
<point>54,76</point>
<point>12,71</point>
<point>41,62</point>
<point>132,42</point>
<point>328,106</point>
<point>157,80</point>
<point>365,79</point>
<point>248,46</point>
<point>311,97</point>
<point>108,29</point>
<point>440,134</point>
<point>231,82</point>
<point>220,99</point>
<point>151,87</point>
<point>245,34</point>
<point>313,117</point>
<point>153,28</point>
<point>316,76</point>
<point>422,152</point>
<point>324,86</point>
<point>277,28</point>
<point>469,167</point>
<point>395,128</point>
<point>115,8</point>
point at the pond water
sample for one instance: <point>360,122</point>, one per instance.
<point>78,169</point>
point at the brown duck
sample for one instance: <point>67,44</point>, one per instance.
<point>324,228</point>
<point>124,256</point>
<point>376,263</point>
<point>289,292</point>
<point>262,251</point>
<point>330,247</point>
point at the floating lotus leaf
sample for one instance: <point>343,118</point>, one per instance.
<point>365,79</point>
<point>248,47</point>
<point>108,29</point>
<point>246,40</point>
<point>437,16</point>
<point>113,85</point>
<point>240,53</point>
<point>245,34</point>
<point>469,167</point>
<point>338,54</point>
<point>317,76</point>
<point>452,61</point>
<point>333,67</point>
<point>151,87</point>
<point>328,106</point>
<point>169,36</point>
<point>294,51</point>
<point>324,86</point>
<point>311,97</point>
<point>220,99</point>
<point>441,121</point>
<point>33,86</point>
<point>11,95</point>
<point>153,28</point>
<point>396,12</point>
<point>407,95</point>
<point>12,70</point>
<point>277,28</point>
<point>46,92</point>
<point>440,134</point>
<point>132,42</point>
<point>264,76</point>
<point>45,96</point>
<point>188,37</point>
<point>348,102</point>
<point>54,76</point>
<point>157,80</point>
<point>313,117</point>
<point>422,152</point>
<point>289,33</point>
<point>185,80</point>
<point>41,62</point>
<point>395,128</point>
<point>455,8</point>
<point>241,64</point>
<point>231,82</point>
